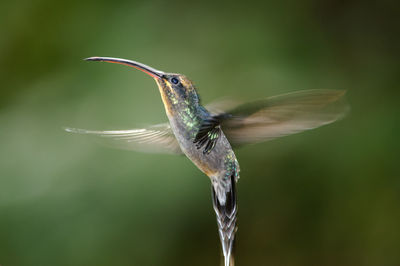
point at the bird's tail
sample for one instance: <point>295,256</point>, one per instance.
<point>226,220</point>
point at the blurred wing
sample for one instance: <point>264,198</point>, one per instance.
<point>157,138</point>
<point>283,115</point>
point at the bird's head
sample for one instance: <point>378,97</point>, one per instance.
<point>176,90</point>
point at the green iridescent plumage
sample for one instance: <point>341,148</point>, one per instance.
<point>206,138</point>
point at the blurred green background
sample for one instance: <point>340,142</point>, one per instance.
<point>330,196</point>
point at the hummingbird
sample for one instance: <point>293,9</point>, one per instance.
<point>208,134</point>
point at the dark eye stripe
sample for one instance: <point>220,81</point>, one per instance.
<point>175,81</point>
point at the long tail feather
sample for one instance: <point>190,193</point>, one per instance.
<point>226,219</point>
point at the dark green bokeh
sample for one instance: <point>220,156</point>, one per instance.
<point>325,197</point>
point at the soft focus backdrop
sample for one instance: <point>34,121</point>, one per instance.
<point>330,196</point>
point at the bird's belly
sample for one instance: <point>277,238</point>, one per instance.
<point>211,163</point>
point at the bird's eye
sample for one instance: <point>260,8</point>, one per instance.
<point>175,81</point>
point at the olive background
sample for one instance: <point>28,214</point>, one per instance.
<point>329,196</point>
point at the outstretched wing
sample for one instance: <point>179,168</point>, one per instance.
<point>283,115</point>
<point>157,138</point>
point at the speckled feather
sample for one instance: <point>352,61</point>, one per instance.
<point>200,135</point>
<point>219,163</point>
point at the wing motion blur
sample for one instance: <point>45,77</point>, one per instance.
<point>282,115</point>
<point>242,123</point>
<point>157,139</point>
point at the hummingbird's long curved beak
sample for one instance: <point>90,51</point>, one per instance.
<point>142,67</point>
